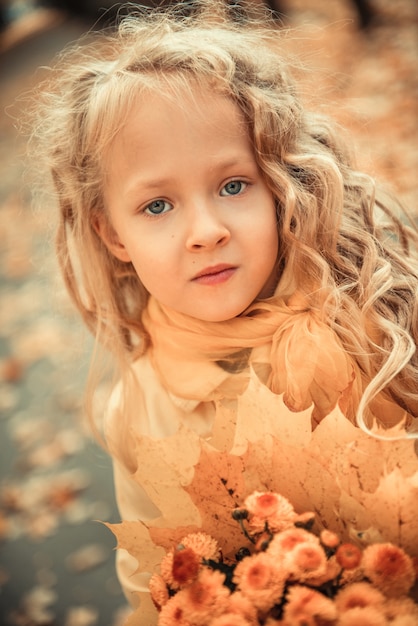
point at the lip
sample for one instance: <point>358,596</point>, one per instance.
<point>215,274</point>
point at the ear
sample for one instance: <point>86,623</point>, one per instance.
<point>110,238</point>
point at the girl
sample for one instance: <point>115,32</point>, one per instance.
<point>216,237</point>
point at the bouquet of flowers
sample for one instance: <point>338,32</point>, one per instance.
<point>285,575</point>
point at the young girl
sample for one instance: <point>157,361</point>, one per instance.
<point>251,283</point>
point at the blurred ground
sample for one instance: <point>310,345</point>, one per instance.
<point>56,564</point>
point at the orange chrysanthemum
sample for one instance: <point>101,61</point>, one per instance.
<point>238,603</point>
<point>166,569</point>
<point>367,616</point>
<point>306,604</point>
<point>206,597</point>
<point>389,568</point>
<point>185,566</point>
<point>159,591</point>
<point>172,613</point>
<point>332,570</point>
<point>231,619</point>
<point>404,620</point>
<point>307,560</point>
<point>348,556</point>
<point>205,546</point>
<point>359,595</point>
<point>261,580</point>
<point>288,539</point>
<point>287,559</point>
<point>401,607</point>
<point>270,508</point>
<point>329,539</point>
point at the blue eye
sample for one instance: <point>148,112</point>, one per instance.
<point>233,188</point>
<point>157,207</point>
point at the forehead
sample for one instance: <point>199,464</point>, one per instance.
<point>170,136</point>
<point>204,102</point>
<point>193,112</point>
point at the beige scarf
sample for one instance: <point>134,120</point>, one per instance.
<point>289,347</point>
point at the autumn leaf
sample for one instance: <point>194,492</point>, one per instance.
<point>144,614</point>
<point>362,488</point>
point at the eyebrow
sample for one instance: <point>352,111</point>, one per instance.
<point>234,162</point>
<point>152,184</point>
<point>145,185</point>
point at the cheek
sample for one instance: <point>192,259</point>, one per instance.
<point>272,251</point>
<point>269,245</point>
<point>151,271</point>
<point>270,237</point>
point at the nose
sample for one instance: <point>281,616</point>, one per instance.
<point>206,229</point>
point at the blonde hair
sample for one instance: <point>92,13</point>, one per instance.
<point>340,242</point>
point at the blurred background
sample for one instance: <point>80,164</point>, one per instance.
<point>56,560</point>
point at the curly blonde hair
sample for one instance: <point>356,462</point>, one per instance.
<point>341,242</point>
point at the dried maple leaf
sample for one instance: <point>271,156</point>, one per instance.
<point>135,538</point>
<point>358,486</point>
<point>217,488</point>
<point>144,614</point>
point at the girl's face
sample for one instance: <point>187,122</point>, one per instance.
<point>189,208</point>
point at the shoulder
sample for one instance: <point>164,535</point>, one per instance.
<point>135,399</point>
<point>140,406</point>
